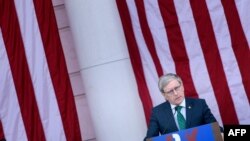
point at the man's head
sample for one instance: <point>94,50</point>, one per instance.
<point>171,87</point>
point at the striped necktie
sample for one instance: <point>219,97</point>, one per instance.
<point>180,118</point>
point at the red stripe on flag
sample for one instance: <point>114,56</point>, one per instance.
<point>1,131</point>
<point>239,42</point>
<point>177,46</point>
<point>213,61</point>
<point>20,71</point>
<point>148,36</point>
<point>57,67</point>
<point>135,58</point>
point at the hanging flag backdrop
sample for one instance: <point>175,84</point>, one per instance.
<point>36,98</point>
<point>205,42</point>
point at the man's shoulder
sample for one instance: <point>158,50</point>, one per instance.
<point>191,99</point>
<point>195,101</point>
<point>161,105</point>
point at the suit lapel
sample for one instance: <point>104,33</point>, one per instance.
<point>189,112</point>
<point>170,117</point>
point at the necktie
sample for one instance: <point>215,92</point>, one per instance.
<point>180,118</point>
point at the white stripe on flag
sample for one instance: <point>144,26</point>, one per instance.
<point>159,35</point>
<point>12,121</point>
<point>44,92</point>
<point>150,73</point>
<point>244,10</point>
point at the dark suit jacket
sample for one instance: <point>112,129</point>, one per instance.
<point>162,119</point>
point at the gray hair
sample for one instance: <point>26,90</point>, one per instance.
<point>165,79</point>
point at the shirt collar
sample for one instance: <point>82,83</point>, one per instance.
<point>183,104</point>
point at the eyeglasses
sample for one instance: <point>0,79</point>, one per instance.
<point>175,89</point>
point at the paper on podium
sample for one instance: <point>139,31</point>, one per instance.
<point>207,132</point>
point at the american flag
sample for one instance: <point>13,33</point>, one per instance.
<point>206,42</point>
<point>36,98</point>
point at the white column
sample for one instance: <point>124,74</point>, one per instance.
<point>106,70</point>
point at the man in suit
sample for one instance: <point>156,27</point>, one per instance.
<point>178,112</point>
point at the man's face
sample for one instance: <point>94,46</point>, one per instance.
<point>174,92</point>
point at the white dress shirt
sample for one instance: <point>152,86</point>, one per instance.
<point>183,111</point>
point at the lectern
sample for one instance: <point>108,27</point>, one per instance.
<point>207,132</point>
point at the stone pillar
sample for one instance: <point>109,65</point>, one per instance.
<point>106,70</point>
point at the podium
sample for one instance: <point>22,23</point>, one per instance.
<point>207,132</point>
